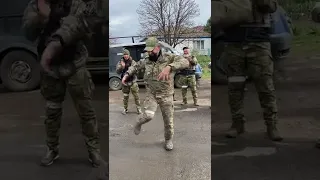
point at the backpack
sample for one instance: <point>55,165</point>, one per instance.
<point>227,13</point>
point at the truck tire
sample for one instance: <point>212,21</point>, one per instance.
<point>20,71</point>
<point>115,84</point>
<point>177,81</point>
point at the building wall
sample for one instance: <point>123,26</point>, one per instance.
<point>204,47</point>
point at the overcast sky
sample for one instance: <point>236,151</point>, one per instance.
<point>124,19</point>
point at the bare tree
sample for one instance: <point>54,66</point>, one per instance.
<point>170,19</point>
<point>112,40</point>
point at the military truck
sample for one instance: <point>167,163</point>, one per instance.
<point>136,52</point>
<point>19,66</point>
<point>281,38</point>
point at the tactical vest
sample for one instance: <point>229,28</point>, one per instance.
<point>257,29</point>
<point>189,71</point>
<point>59,9</point>
<point>127,63</point>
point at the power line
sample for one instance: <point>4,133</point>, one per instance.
<point>203,34</point>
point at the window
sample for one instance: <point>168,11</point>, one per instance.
<point>198,44</point>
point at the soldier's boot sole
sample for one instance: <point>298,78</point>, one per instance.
<point>137,128</point>
<point>273,133</point>
<point>184,103</point>
<point>95,160</point>
<point>168,146</point>
<point>93,164</point>
<point>124,112</point>
<point>235,130</point>
<point>50,162</point>
<point>139,111</point>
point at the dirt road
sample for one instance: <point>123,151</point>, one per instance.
<point>143,157</point>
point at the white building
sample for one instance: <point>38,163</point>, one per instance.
<point>199,41</point>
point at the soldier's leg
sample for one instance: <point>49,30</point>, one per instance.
<point>150,108</point>
<point>135,93</point>
<point>53,91</point>
<point>193,86</point>
<point>174,99</point>
<point>167,109</point>
<point>236,84</point>
<point>80,87</point>
<point>126,93</point>
<point>184,89</point>
<point>261,70</point>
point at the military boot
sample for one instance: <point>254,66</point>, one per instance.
<point>137,128</point>
<point>184,101</point>
<point>95,158</point>
<point>125,111</point>
<point>50,157</point>
<point>236,129</point>
<point>273,133</point>
<point>139,111</point>
<point>168,145</point>
<point>195,102</point>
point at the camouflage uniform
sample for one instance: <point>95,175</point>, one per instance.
<point>188,80</point>
<point>159,92</point>
<point>131,86</point>
<point>251,54</point>
<point>79,84</point>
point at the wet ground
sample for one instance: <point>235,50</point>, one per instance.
<point>252,156</point>
<point>142,157</point>
<point>22,139</point>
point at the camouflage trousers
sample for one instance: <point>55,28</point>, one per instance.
<point>255,60</point>
<point>80,87</point>
<point>165,103</point>
<point>189,81</point>
<point>134,88</point>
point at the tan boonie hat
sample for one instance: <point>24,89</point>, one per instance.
<point>126,52</point>
<point>151,43</point>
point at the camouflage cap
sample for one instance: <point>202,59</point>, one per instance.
<point>151,43</point>
<point>126,52</point>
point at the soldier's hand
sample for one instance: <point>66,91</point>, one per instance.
<point>122,64</point>
<point>124,79</point>
<point>165,74</point>
<point>44,8</point>
<point>52,49</point>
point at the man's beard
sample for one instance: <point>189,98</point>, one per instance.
<point>154,57</point>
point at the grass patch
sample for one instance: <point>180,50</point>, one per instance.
<point>306,41</point>
<point>204,61</point>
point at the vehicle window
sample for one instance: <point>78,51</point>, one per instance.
<point>115,54</point>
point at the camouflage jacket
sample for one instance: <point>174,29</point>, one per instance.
<point>74,28</point>
<point>120,69</point>
<point>153,69</point>
<point>192,60</point>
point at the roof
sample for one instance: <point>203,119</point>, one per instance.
<point>195,32</point>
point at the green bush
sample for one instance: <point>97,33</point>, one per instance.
<point>204,61</point>
<point>298,9</point>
